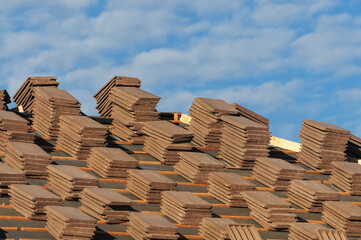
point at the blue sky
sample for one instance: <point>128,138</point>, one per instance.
<point>287,60</point>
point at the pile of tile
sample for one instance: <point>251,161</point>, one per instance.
<point>328,234</point>
<point>354,147</point>
<point>49,105</point>
<point>196,166</point>
<point>343,215</point>
<point>24,97</point>
<point>13,128</point>
<point>311,194</point>
<point>131,107</point>
<point>148,184</point>
<point>243,231</point>
<point>243,141</point>
<point>228,187</point>
<point>79,134</point>
<point>111,162</point>
<point>322,143</point>
<point>151,226</point>
<point>105,204</point>
<point>214,228</point>
<point>4,99</point>
<point>269,210</point>
<point>69,181</point>
<point>27,157</point>
<point>30,200</point>
<point>304,231</point>
<point>165,140</point>
<point>185,207</point>
<point>244,112</point>
<point>104,104</point>
<point>347,176</point>
<point>69,223</point>
<point>206,121</point>
<point>276,173</point>
<point>9,175</point>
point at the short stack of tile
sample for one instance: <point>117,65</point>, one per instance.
<point>49,105</point>
<point>347,176</point>
<point>330,234</point>
<point>27,157</point>
<point>196,166</point>
<point>69,223</point>
<point>131,107</point>
<point>165,140</point>
<point>105,204</point>
<point>244,112</point>
<point>343,215</point>
<point>104,104</point>
<point>276,173</point>
<point>185,207</point>
<point>9,175</point>
<point>69,181</point>
<point>24,97</point>
<point>148,184</point>
<point>4,99</point>
<point>30,200</point>
<point>215,228</point>
<point>354,147</point>
<point>269,210</point>
<point>228,187</point>
<point>322,143</point>
<point>243,231</point>
<point>79,134</point>
<point>311,194</point>
<point>111,162</point>
<point>206,121</point>
<point>243,141</point>
<point>304,230</point>
<point>151,226</point>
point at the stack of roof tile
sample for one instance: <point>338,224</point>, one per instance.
<point>13,128</point>
<point>215,228</point>
<point>185,207</point>
<point>148,184</point>
<point>276,173</point>
<point>49,105</point>
<point>69,181</point>
<point>206,121</point>
<point>79,134</point>
<point>68,223</point>
<point>165,140</point>
<point>105,204</point>
<point>347,176</point>
<point>9,175</point>
<point>27,157</point>
<point>343,215</point>
<point>24,97</point>
<point>244,112</point>
<point>132,106</point>
<point>322,143</point>
<point>269,210</point>
<point>150,226</point>
<point>354,147</point>
<point>330,234</point>
<point>304,231</point>
<point>104,104</point>
<point>243,141</point>
<point>311,194</point>
<point>111,162</point>
<point>243,231</point>
<point>228,187</point>
<point>4,99</point>
<point>31,200</point>
<point>196,166</point>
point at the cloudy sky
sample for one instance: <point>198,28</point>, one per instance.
<point>287,60</point>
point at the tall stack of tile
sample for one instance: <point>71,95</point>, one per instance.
<point>104,104</point>
<point>4,99</point>
<point>24,97</point>
<point>304,231</point>
<point>228,187</point>
<point>132,106</point>
<point>111,162</point>
<point>13,128</point>
<point>322,143</point>
<point>196,166</point>
<point>276,173</point>
<point>269,210</point>
<point>354,147</point>
<point>206,121</point>
<point>243,141</point>
<point>49,105</point>
<point>8,176</point>
<point>244,112</point>
<point>347,176</point>
<point>79,134</point>
<point>214,228</point>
